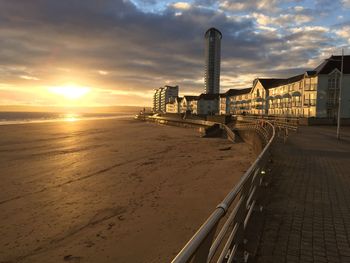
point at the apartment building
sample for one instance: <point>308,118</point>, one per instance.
<point>174,105</point>
<point>240,101</point>
<point>189,104</point>
<point>314,93</point>
<point>164,95</point>
<point>225,100</point>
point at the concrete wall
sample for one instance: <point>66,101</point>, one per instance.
<point>219,118</point>
<point>253,139</point>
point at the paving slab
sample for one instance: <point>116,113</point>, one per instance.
<point>306,217</point>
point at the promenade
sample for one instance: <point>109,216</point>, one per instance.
<point>306,217</point>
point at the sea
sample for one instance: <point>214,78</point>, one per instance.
<point>11,118</point>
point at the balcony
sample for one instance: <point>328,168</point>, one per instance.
<point>296,103</point>
<point>310,87</point>
<point>310,102</point>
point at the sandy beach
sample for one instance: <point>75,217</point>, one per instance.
<point>109,190</point>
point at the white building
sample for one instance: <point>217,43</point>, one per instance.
<point>314,93</point>
<point>240,101</point>
<point>156,100</point>
<point>174,105</point>
<point>326,82</point>
<point>189,104</point>
<point>224,105</point>
<point>164,95</point>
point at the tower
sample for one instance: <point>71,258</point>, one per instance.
<point>212,61</point>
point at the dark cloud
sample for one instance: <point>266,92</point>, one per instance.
<point>142,50</point>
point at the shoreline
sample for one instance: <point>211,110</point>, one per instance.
<point>126,116</point>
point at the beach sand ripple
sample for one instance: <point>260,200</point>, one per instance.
<point>109,190</point>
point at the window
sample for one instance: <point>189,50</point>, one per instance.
<point>333,93</point>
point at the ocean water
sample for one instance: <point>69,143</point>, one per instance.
<point>8,118</point>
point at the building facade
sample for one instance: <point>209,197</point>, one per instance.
<point>240,101</point>
<point>225,101</point>
<point>156,100</point>
<point>163,96</point>
<point>174,105</point>
<point>314,93</point>
<point>189,104</point>
<point>208,104</point>
<point>212,61</point>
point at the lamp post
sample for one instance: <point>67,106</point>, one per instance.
<point>340,93</point>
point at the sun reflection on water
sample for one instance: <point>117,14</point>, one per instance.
<point>71,117</point>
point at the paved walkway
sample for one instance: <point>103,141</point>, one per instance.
<point>307,216</point>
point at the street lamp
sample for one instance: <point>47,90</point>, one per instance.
<point>340,91</point>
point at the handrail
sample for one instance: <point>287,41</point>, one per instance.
<point>202,246</point>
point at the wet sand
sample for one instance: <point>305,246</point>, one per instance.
<point>109,190</point>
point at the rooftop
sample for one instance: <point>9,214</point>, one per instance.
<point>332,63</point>
<point>205,96</point>
<point>269,83</point>
<point>211,31</point>
<point>191,97</point>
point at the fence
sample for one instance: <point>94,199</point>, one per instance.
<point>227,243</point>
<point>282,124</point>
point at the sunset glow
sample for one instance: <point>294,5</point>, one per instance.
<point>70,91</point>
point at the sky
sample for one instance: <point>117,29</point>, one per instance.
<point>104,52</point>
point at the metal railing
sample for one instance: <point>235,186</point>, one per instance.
<point>228,243</point>
<point>280,122</point>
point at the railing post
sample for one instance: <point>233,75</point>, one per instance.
<point>201,255</point>
<point>240,218</point>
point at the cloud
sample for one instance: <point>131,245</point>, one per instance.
<point>102,72</point>
<point>346,3</point>
<point>28,77</point>
<point>181,5</point>
<point>117,45</point>
<point>344,33</point>
<point>249,5</point>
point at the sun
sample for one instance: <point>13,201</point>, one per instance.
<point>71,92</point>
